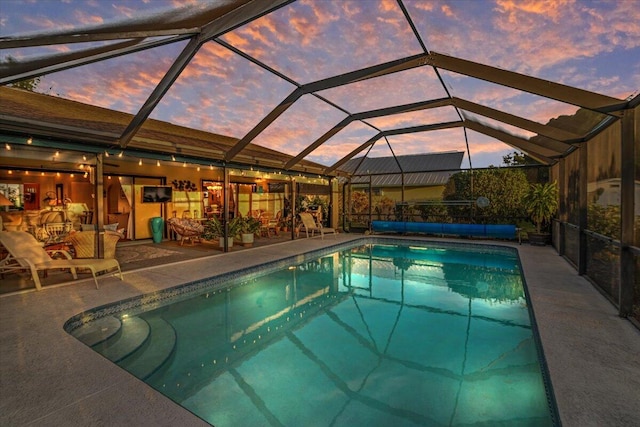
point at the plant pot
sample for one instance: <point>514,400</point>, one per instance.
<point>539,239</point>
<point>229,242</point>
<point>247,239</point>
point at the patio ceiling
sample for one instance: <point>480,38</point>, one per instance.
<point>250,88</point>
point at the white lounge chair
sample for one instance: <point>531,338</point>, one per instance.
<point>310,225</point>
<point>24,251</point>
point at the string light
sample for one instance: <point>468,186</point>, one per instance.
<point>86,174</point>
<point>210,167</point>
<point>7,147</point>
<point>29,140</point>
<point>157,162</point>
<point>140,162</point>
<point>26,172</point>
<point>56,154</point>
<point>58,174</point>
<point>198,168</point>
<point>71,175</point>
<point>173,158</point>
<point>84,157</point>
<point>10,172</point>
<point>121,153</point>
<point>184,165</point>
<point>42,173</point>
<point>106,153</point>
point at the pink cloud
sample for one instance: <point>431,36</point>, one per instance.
<point>85,18</point>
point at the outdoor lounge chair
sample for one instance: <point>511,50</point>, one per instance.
<point>24,251</point>
<point>310,225</point>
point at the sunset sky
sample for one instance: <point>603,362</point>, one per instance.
<point>590,45</point>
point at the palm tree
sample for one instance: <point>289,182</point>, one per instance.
<point>541,202</point>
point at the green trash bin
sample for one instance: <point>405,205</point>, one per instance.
<point>157,226</point>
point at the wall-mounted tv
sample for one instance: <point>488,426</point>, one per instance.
<point>156,194</point>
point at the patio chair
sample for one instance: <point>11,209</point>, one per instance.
<point>267,225</point>
<point>310,225</point>
<point>25,252</point>
<point>84,243</point>
<point>186,229</point>
<point>57,231</point>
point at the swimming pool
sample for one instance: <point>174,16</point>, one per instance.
<point>383,333</point>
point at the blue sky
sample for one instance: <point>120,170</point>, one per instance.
<point>593,45</point>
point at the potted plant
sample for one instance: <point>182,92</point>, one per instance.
<point>541,203</point>
<point>249,227</point>
<point>285,223</point>
<point>214,229</point>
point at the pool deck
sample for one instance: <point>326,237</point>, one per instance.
<point>48,378</point>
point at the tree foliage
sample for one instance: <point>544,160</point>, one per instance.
<point>504,187</point>
<point>27,84</point>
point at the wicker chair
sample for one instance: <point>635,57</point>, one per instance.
<point>84,243</point>
<point>57,231</point>
<point>186,228</point>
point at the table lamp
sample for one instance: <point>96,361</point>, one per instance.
<point>4,201</point>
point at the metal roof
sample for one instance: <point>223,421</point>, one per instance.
<point>418,170</point>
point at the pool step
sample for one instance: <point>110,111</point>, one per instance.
<point>98,331</point>
<point>132,335</point>
<point>154,352</point>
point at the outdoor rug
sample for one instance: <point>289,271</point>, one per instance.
<point>135,253</point>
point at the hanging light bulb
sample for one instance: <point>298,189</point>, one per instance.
<point>41,173</point>
<point>106,153</point>
<point>140,162</point>
<point>71,175</point>
<point>10,172</point>
<point>173,158</point>
<point>157,162</point>
<point>86,174</point>
<point>7,147</point>
<point>84,157</point>
<point>210,167</point>
<point>26,172</point>
<point>198,168</point>
<point>58,174</point>
<point>29,140</point>
<point>184,165</point>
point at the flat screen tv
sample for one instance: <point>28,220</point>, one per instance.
<point>156,194</point>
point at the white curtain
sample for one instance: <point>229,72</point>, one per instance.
<point>127,189</point>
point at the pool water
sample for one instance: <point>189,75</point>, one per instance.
<point>374,335</point>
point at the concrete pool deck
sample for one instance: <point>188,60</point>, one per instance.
<point>48,378</point>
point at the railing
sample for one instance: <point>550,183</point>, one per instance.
<point>602,259</point>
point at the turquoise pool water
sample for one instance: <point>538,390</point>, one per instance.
<point>373,335</point>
